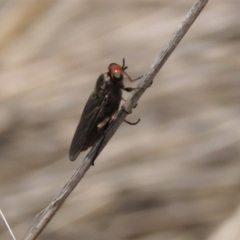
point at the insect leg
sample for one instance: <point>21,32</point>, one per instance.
<point>103,123</point>
<point>134,123</point>
<point>129,89</point>
<point>133,106</point>
<point>132,80</point>
<point>130,123</point>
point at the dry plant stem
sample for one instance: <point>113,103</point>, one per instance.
<point>8,227</point>
<point>51,210</point>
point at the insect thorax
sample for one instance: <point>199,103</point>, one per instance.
<point>103,84</point>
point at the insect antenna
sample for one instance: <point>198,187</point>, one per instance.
<point>123,65</point>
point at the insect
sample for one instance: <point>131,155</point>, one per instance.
<point>100,109</point>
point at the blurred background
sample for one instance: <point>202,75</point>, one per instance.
<point>175,175</point>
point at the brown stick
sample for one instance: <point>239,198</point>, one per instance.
<point>44,218</point>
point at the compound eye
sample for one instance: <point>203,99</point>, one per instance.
<point>118,76</point>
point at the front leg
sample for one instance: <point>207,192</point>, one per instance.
<point>103,123</point>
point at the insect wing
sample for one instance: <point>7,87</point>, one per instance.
<point>87,122</point>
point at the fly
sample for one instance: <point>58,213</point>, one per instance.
<point>100,109</point>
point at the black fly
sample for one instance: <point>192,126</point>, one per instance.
<point>100,108</point>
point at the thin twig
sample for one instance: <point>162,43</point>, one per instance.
<point>51,210</point>
<point>5,220</point>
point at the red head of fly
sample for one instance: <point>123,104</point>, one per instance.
<point>117,72</point>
